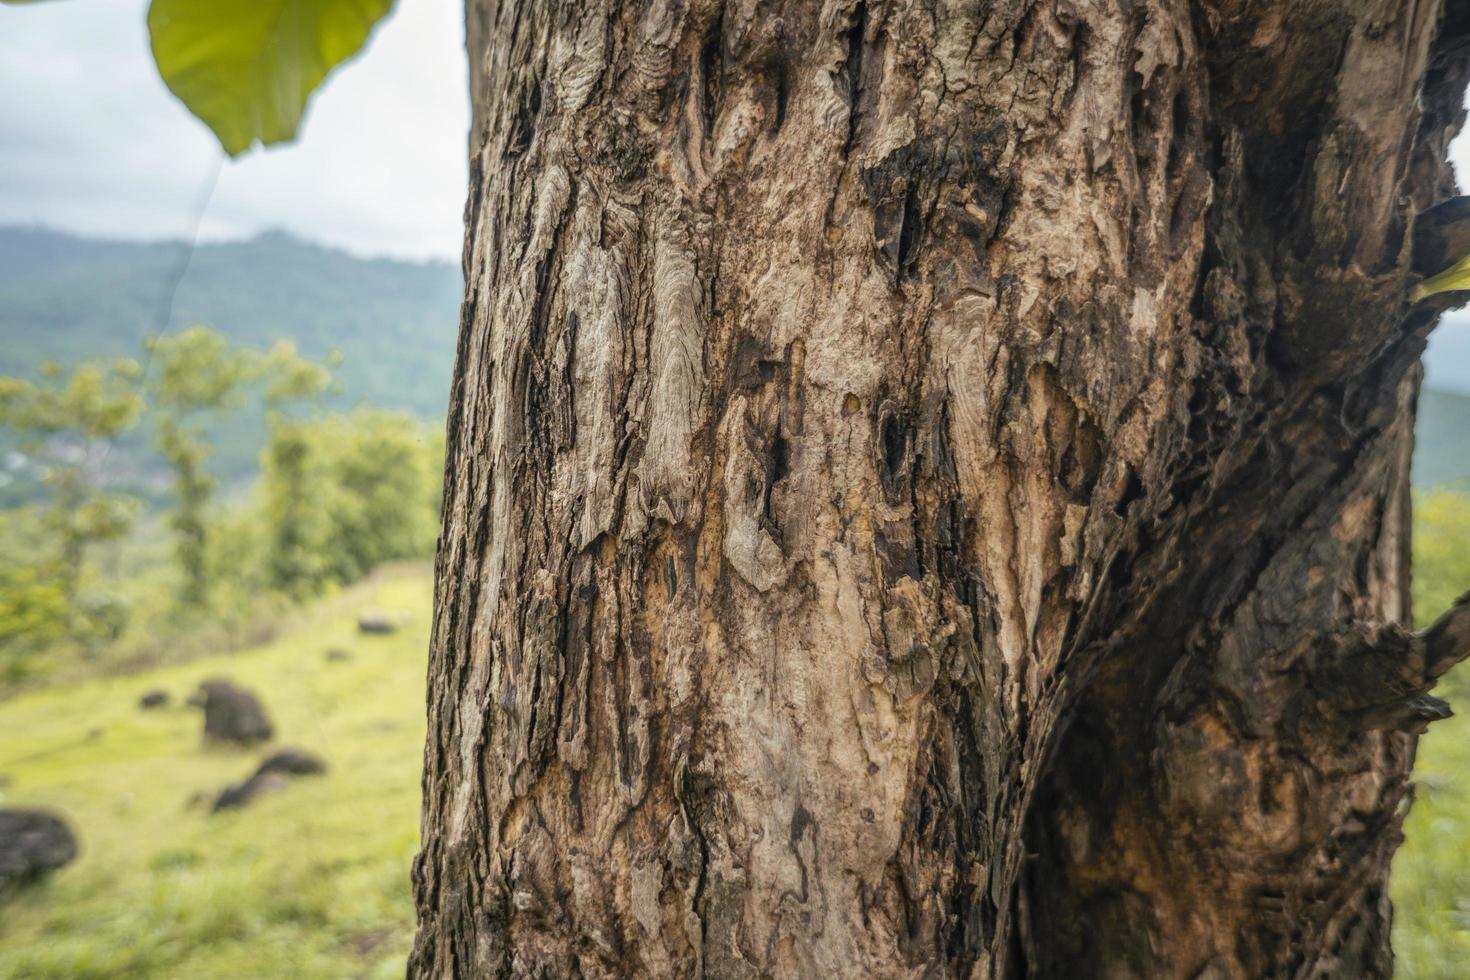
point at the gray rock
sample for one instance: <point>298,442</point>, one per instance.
<point>156,698</point>
<point>271,775</point>
<point>256,786</point>
<point>338,655</point>
<point>293,762</point>
<point>33,843</point>
<point>233,714</point>
<point>378,624</point>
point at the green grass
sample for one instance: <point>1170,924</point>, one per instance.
<point>1431,873</point>
<point>309,882</point>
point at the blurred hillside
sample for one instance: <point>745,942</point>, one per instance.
<point>311,881</point>
<point>1442,440</point>
<point>63,298</point>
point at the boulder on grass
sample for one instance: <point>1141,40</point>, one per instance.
<point>269,776</point>
<point>377,624</point>
<point>233,714</point>
<point>337,655</point>
<point>258,785</point>
<point>156,698</point>
<point>293,762</point>
<point>33,843</point>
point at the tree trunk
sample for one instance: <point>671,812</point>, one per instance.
<point>927,488</point>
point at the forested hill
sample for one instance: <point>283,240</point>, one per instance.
<point>1442,440</point>
<point>65,298</point>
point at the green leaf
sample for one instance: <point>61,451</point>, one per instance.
<point>1456,276</point>
<point>246,68</point>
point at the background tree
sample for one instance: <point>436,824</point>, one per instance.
<point>928,488</point>
<point>68,420</point>
<point>296,560</point>
<point>381,489</point>
<point>197,376</point>
<point>33,610</point>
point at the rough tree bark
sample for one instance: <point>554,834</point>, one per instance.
<point>927,488</point>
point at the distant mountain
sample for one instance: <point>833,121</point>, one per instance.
<point>1442,440</point>
<point>1447,361</point>
<point>66,299</point>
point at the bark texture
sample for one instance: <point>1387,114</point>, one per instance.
<point>927,488</point>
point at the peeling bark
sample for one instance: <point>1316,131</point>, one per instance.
<point>927,488</point>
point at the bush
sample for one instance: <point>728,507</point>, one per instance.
<point>32,616</point>
<point>346,493</point>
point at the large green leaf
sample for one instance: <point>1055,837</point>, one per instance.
<point>246,68</point>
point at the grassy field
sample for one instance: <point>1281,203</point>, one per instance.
<point>1431,874</point>
<point>311,881</point>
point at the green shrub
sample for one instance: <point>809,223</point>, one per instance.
<point>346,493</point>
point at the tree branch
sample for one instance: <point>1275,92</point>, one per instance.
<point>1442,236</point>
<point>1447,641</point>
<point>1380,679</point>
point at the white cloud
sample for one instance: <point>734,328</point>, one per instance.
<point>91,141</point>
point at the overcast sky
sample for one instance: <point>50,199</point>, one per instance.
<point>92,142</point>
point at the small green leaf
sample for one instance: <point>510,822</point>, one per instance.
<point>1456,276</point>
<point>246,68</point>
